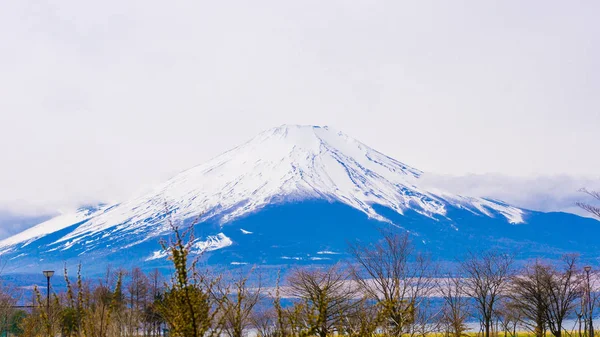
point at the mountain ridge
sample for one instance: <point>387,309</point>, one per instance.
<point>285,165</point>
<point>302,145</point>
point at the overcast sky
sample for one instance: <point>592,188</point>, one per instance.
<point>100,100</point>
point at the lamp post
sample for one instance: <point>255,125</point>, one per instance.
<point>589,300</point>
<point>48,274</point>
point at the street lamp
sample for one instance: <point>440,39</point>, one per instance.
<point>589,299</point>
<point>48,274</point>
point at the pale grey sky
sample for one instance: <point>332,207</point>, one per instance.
<point>103,99</point>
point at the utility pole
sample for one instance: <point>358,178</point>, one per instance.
<point>48,274</point>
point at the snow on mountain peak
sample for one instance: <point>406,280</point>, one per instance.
<point>293,161</point>
<point>285,163</point>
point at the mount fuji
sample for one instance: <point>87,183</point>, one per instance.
<point>294,195</point>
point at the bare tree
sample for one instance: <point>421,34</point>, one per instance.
<point>138,299</point>
<point>487,277</point>
<point>6,305</point>
<point>395,276</point>
<point>362,320</point>
<point>264,321</point>
<point>327,295</point>
<point>595,210</point>
<point>456,308</point>
<point>589,302</point>
<point>508,316</point>
<point>7,299</point>
<point>281,328</point>
<point>239,301</point>
<point>528,293</point>
<point>426,318</point>
<point>563,288</point>
<point>152,318</point>
<point>298,319</point>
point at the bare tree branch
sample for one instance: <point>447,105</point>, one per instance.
<point>397,278</point>
<point>595,210</point>
<point>487,277</point>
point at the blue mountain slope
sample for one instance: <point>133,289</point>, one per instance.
<point>317,232</point>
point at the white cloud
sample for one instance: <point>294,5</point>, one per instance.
<point>12,223</point>
<point>102,99</point>
<point>544,193</point>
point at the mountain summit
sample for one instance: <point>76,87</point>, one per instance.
<point>315,175</point>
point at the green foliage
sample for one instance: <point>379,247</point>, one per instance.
<point>185,309</point>
<point>70,321</point>
<point>15,322</point>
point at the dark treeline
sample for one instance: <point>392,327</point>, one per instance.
<point>388,288</point>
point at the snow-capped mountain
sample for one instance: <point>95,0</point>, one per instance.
<point>246,201</point>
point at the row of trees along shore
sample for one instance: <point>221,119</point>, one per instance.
<point>388,288</point>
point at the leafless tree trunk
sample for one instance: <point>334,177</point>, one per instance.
<point>239,301</point>
<point>456,309</point>
<point>509,317</point>
<point>528,293</point>
<point>264,321</point>
<point>138,293</point>
<point>327,294</point>
<point>6,302</point>
<point>281,327</point>
<point>363,320</point>
<point>426,319</point>
<point>590,303</point>
<point>397,277</point>
<point>487,277</point>
<point>152,318</point>
<point>563,288</point>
